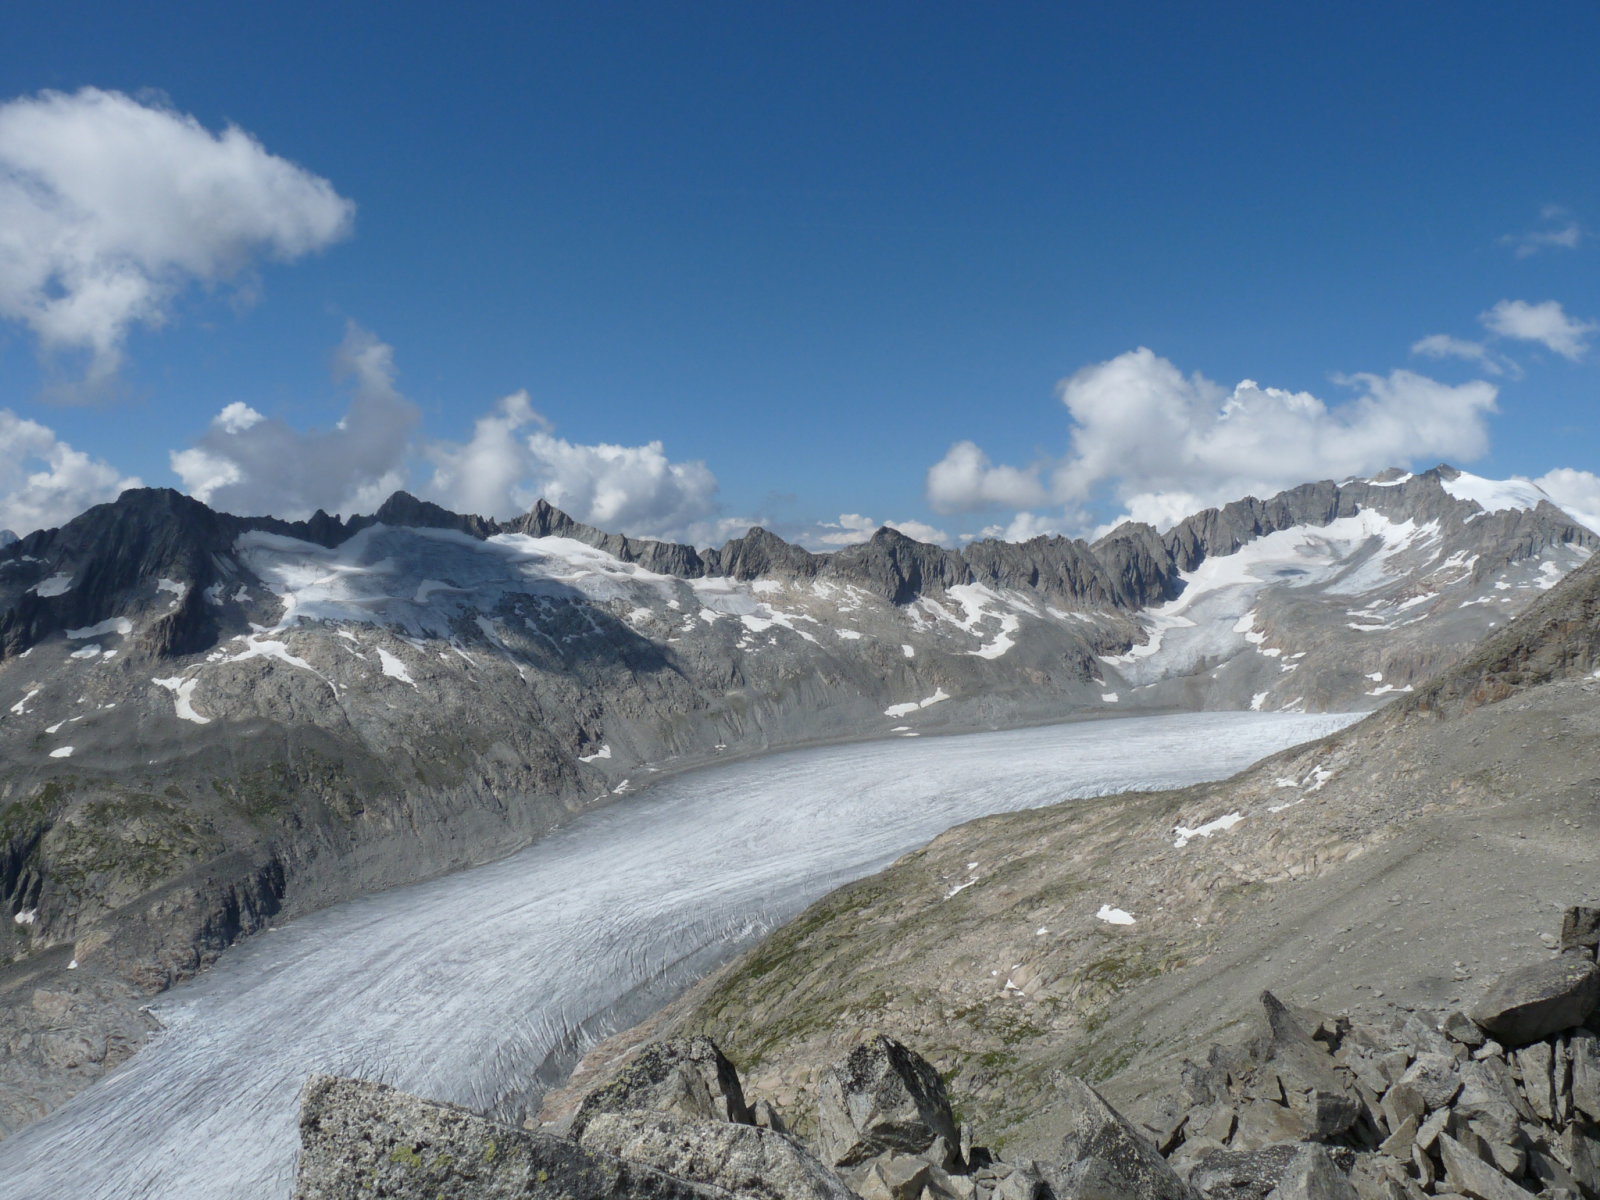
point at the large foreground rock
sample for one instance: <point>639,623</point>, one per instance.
<point>368,1139</point>
<point>883,1099</point>
<point>1103,1157</point>
<point>688,1076</point>
<point>1533,1002</point>
<point>740,1158</point>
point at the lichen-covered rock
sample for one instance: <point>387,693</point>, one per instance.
<point>1528,1003</point>
<point>883,1098</point>
<point>1104,1157</point>
<point>687,1076</point>
<point>744,1159</point>
<point>360,1138</point>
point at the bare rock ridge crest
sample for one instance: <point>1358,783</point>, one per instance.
<point>209,722</point>
<point>150,531</point>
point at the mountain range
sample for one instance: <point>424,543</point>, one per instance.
<point>209,722</point>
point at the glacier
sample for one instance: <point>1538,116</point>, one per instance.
<point>483,987</point>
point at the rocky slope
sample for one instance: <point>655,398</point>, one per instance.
<point>1396,862</point>
<point>1499,1104</point>
<point>208,723</point>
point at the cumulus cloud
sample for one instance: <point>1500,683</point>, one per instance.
<point>1023,527</point>
<point>44,482</point>
<point>1161,443</point>
<point>252,464</point>
<point>853,528</point>
<point>1558,230</point>
<point>965,479</point>
<point>1546,323</point>
<point>109,208</point>
<point>514,457</point>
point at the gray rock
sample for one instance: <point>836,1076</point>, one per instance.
<point>1583,1051</point>
<point>743,1159</point>
<point>360,1138</point>
<point>1580,930</point>
<point>686,1076</point>
<point>1534,1062</point>
<point>1436,1079</point>
<point>883,1098</point>
<point>1311,1175</point>
<point>1103,1157</point>
<point>1471,1176</point>
<point>1251,1174</point>
<point>1461,1028</point>
<point>1325,1104</point>
<point>1533,1002</point>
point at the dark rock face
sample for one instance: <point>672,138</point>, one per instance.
<point>688,1077</point>
<point>1532,1002</point>
<point>883,1098</point>
<point>360,1138</point>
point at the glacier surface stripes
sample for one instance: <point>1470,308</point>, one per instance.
<point>461,988</point>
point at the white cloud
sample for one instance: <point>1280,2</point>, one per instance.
<point>1546,323</point>
<point>110,207</point>
<point>1577,492</point>
<point>1024,527</point>
<point>852,528</point>
<point>514,458</point>
<point>964,480</point>
<point>1559,231</point>
<point>44,482</point>
<point>251,464</point>
<point>1443,345</point>
<point>1162,444</point>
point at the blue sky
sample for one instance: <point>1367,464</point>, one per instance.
<point>813,250</point>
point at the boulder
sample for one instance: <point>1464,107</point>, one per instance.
<point>360,1138</point>
<point>1311,1175</point>
<point>1324,1103</point>
<point>1533,1002</point>
<point>1435,1078</point>
<point>883,1099</point>
<point>1250,1174</point>
<point>744,1159</point>
<point>1103,1157</point>
<point>1471,1176</point>
<point>1580,931</point>
<point>687,1076</point>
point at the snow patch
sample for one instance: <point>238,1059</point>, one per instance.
<point>603,752</point>
<point>90,651</point>
<point>908,651</point>
<point>1185,835</point>
<point>21,706</point>
<point>27,916</point>
<point>61,752</point>
<point>900,710</point>
<point>183,697</point>
<point>1109,697</point>
<point>1493,495</point>
<point>393,667</point>
<point>117,625</point>
<point>56,585</point>
<point>172,585</point>
<point>1114,916</point>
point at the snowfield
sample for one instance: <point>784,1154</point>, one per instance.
<point>469,987</point>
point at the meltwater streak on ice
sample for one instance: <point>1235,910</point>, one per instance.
<point>459,988</point>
